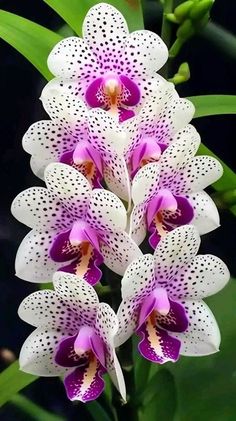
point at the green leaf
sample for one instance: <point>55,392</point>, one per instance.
<point>33,41</point>
<point>207,105</point>
<point>206,385</point>
<point>74,11</point>
<point>97,412</point>
<point>12,380</point>
<point>159,398</point>
<point>32,410</point>
<point>228,180</point>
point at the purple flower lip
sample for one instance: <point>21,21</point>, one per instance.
<point>113,93</point>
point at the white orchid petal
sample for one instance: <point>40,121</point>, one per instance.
<point>36,208</point>
<point>66,109</point>
<point>118,251</point>
<point>102,23</point>
<point>69,186</point>
<point>201,172</point>
<point>138,228</point>
<point>33,262</point>
<point>106,212</point>
<point>72,58</point>
<point>106,328</point>
<point>206,215</point>
<point>203,276</point>
<point>138,278</point>
<point>116,177</point>
<point>37,353</point>
<point>128,315</point>
<point>80,296</point>
<point>145,183</point>
<point>176,157</point>
<point>47,141</point>
<point>38,165</point>
<point>145,53</point>
<point>105,134</point>
<point>202,337</point>
<point>47,309</point>
<point>174,251</point>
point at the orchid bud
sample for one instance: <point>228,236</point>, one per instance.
<point>199,10</point>
<point>182,11</point>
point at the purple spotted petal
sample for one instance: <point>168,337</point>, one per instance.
<point>67,245</point>
<point>66,355</point>
<point>163,200</point>
<point>86,266</point>
<point>183,215</point>
<point>148,150</point>
<point>94,95</point>
<point>85,383</point>
<point>125,114</point>
<point>130,91</point>
<point>176,320</point>
<point>167,220</point>
<point>156,345</point>
<point>87,168</point>
<point>62,250</point>
<point>158,300</point>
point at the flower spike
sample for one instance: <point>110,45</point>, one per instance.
<point>74,337</point>
<point>164,307</point>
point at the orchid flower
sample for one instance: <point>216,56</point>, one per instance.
<point>170,193</point>
<point>74,337</point>
<point>71,223</point>
<point>74,137</point>
<point>64,138</point>
<point>108,67</point>
<point>162,299</point>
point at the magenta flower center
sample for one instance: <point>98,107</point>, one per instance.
<point>113,93</point>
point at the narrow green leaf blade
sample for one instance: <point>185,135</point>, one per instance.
<point>97,412</point>
<point>12,380</point>
<point>207,105</point>
<point>33,41</point>
<point>32,410</point>
<point>74,11</point>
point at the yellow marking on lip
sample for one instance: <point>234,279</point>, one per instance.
<point>158,221</point>
<point>87,168</point>
<point>152,334</point>
<point>89,374</point>
<point>87,252</point>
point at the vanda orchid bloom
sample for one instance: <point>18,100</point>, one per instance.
<point>74,337</point>
<point>108,67</point>
<point>162,299</point>
<point>74,137</point>
<point>170,193</point>
<point>71,223</point>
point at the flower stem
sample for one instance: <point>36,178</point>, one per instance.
<point>166,30</point>
<point>166,25</point>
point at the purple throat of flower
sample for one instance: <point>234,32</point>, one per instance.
<point>166,212</point>
<point>114,93</point>
<point>158,318</point>
<point>87,160</point>
<point>149,150</point>
<point>84,355</point>
<point>79,246</point>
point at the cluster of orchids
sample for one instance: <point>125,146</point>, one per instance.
<point>117,156</point>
